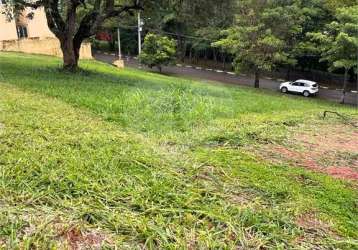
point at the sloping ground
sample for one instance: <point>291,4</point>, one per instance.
<point>327,148</point>
<point>135,160</point>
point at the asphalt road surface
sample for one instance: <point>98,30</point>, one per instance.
<point>226,77</point>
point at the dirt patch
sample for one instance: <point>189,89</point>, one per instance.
<point>77,239</point>
<point>315,231</point>
<point>311,222</point>
<point>331,149</point>
<point>242,198</point>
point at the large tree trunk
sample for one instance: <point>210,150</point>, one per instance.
<point>257,79</point>
<point>70,57</point>
<point>344,86</point>
<point>64,26</point>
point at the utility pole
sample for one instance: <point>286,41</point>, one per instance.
<point>139,34</point>
<point>119,63</point>
<point>119,45</point>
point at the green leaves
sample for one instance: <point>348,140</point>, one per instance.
<point>157,51</point>
<point>263,34</point>
<point>338,44</point>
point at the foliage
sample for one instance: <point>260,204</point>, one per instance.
<point>74,21</point>
<point>183,18</point>
<point>157,51</point>
<point>128,158</point>
<point>338,43</point>
<point>261,35</point>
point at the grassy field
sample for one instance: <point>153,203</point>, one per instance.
<point>124,158</point>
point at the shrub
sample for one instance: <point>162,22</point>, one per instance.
<point>157,51</point>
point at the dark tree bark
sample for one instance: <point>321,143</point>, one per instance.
<point>288,73</point>
<point>215,56</point>
<point>344,91</point>
<point>70,61</point>
<point>224,59</point>
<point>191,54</point>
<point>257,79</point>
<point>65,27</point>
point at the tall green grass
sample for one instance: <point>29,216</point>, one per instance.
<point>152,161</point>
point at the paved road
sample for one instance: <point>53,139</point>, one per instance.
<point>227,77</point>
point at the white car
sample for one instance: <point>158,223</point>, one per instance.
<point>304,87</point>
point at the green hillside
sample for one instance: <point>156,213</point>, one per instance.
<point>126,158</point>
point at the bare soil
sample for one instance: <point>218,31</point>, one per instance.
<point>331,149</point>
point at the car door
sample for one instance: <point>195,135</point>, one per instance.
<point>301,87</point>
<point>295,87</point>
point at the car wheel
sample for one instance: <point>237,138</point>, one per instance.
<point>284,90</point>
<point>306,93</point>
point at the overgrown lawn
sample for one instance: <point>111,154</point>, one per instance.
<point>126,158</point>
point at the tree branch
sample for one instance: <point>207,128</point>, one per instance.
<point>91,22</point>
<point>54,20</point>
<point>33,5</point>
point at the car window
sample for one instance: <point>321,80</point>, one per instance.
<point>300,84</point>
<point>295,84</point>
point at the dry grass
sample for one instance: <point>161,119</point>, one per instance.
<point>327,148</point>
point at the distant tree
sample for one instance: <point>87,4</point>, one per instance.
<point>338,43</point>
<point>333,5</point>
<point>157,51</point>
<point>182,19</point>
<point>260,37</point>
<point>317,14</point>
<point>73,21</point>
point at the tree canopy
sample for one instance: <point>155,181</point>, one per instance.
<point>255,35</point>
<point>338,42</point>
<point>73,21</point>
<point>157,51</point>
<point>262,36</point>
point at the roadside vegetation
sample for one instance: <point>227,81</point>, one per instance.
<point>127,158</point>
<point>158,51</point>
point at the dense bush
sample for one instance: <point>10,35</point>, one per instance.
<point>157,51</point>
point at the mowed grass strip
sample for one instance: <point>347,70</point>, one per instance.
<point>77,165</point>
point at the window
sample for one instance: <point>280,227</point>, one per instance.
<point>21,31</point>
<point>299,84</point>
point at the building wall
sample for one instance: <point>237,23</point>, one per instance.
<point>40,39</point>
<point>36,27</point>
<point>46,46</point>
<point>7,29</point>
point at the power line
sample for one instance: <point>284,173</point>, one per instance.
<point>180,35</point>
<point>168,33</point>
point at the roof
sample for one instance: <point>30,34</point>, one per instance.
<point>306,81</point>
